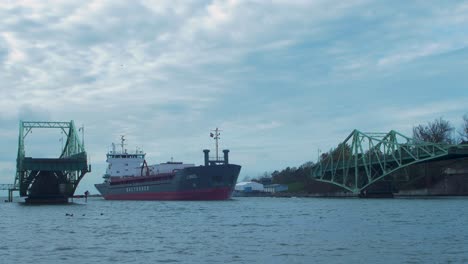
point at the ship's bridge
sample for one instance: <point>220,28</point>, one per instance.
<point>126,156</point>
<point>122,163</point>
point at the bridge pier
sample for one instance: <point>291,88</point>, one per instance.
<point>10,194</point>
<point>10,188</point>
<point>47,200</point>
<point>365,194</point>
<point>382,189</point>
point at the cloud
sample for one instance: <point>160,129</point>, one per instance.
<point>417,52</point>
<point>279,77</point>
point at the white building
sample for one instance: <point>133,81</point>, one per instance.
<point>274,188</point>
<point>249,187</point>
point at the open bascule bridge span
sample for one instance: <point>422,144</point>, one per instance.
<point>364,159</point>
<point>49,180</point>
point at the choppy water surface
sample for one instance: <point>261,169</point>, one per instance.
<point>243,230</point>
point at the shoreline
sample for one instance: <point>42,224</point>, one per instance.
<point>343,195</point>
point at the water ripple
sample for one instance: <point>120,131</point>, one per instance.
<point>244,230</point>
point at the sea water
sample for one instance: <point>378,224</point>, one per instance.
<point>241,230</point>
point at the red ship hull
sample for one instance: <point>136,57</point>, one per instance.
<point>201,194</point>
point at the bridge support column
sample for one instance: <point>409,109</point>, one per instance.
<point>10,195</point>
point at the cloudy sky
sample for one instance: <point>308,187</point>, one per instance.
<point>281,78</point>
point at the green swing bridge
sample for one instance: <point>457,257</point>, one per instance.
<point>364,159</point>
<point>49,179</point>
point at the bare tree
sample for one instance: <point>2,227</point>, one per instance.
<point>343,151</point>
<point>439,131</point>
<point>464,132</point>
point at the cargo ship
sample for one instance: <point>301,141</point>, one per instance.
<point>129,177</point>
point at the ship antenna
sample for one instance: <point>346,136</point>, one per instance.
<point>122,144</point>
<point>216,137</point>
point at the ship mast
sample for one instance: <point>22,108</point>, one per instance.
<point>216,137</point>
<point>122,144</point>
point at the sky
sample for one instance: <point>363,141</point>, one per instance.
<point>282,79</point>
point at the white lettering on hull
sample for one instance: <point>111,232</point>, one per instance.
<point>137,189</point>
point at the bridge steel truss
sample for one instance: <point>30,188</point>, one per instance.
<point>363,159</point>
<point>70,167</point>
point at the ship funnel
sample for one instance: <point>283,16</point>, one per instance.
<point>207,158</point>
<point>226,156</point>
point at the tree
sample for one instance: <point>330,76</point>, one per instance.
<point>439,131</point>
<point>306,165</point>
<point>246,178</point>
<point>464,132</point>
<point>343,151</point>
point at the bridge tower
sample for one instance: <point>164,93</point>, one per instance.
<point>50,180</point>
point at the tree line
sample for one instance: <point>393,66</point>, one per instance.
<point>441,131</point>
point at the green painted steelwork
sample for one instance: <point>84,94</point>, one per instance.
<point>363,159</point>
<point>69,168</point>
<point>6,187</point>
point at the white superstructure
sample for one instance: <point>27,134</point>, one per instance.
<point>124,164</point>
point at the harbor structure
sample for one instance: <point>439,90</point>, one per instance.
<point>50,180</point>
